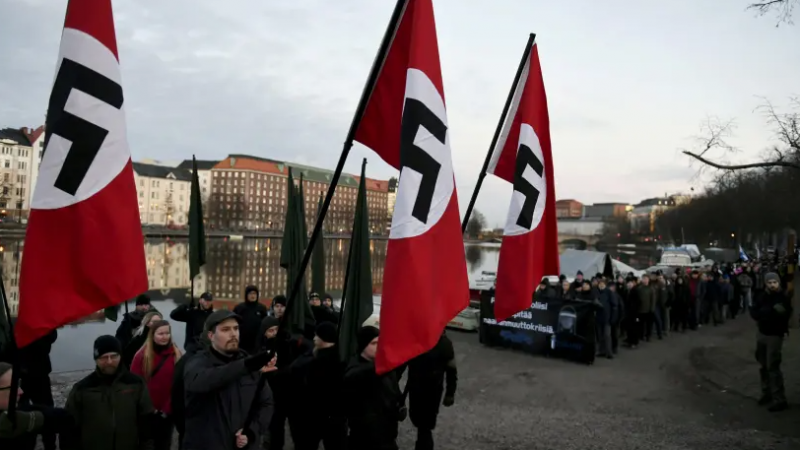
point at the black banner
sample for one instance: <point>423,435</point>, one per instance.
<point>561,328</point>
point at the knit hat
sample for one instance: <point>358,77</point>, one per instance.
<point>772,276</point>
<point>106,344</point>
<point>579,273</point>
<point>327,332</point>
<point>279,300</point>
<point>365,336</point>
<point>269,322</point>
<point>219,316</point>
<point>142,299</point>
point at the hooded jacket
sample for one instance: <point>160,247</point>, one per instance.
<point>252,313</point>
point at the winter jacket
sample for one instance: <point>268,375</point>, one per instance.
<point>647,298</point>
<point>178,400</point>
<point>317,382</point>
<point>134,345</point>
<point>160,383</point>
<point>772,322</point>
<point>745,281</point>
<point>427,374</point>
<point>35,356</point>
<point>195,319</point>
<point>219,393</point>
<point>288,349</point>
<point>372,407</point>
<point>252,313</point>
<point>603,315</point>
<point>110,412</point>
<point>701,291</point>
<point>726,293</point>
<point>32,421</point>
<point>130,322</point>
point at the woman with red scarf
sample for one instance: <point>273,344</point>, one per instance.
<point>155,363</point>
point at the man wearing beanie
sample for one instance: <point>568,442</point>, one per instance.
<point>194,315</point>
<point>251,313</point>
<point>373,409</point>
<point>220,389</point>
<point>278,306</point>
<point>133,320</point>
<point>319,374</point>
<point>111,406</point>
<point>771,310</point>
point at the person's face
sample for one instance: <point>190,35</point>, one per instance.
<point>204,304</point>
<point>594,282</point>
<point>315,301</point>
<point>371,349</point>
<point>694,276</point>
<point>679,281</point>
<point>108,363</point>
<point>252,296</point>
<point>620,280</point>
<point>601,284</point>
<point>225,337</point>
<point>162,335</point>
<point>773,285</point>
<point>661,278</point>
<point>279,309</point>
<point>630,284</point>
<point>565,285</point>
<point>579,277</point>
<point>143,308</point>
<point>271,332</point>
<point>5,390</point>
<point>645,281</point>
<point>587,286</point>
<point>328,303</point>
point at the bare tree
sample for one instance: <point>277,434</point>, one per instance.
<point>713,142</point>
<point>476,224</point>
<point>783,9</point>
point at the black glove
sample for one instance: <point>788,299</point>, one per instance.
<point>448,401</point>
<point>257,361</point>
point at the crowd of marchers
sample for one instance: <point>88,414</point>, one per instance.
<point>630,310</point>
<point>237,383</point>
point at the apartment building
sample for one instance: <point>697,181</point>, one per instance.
<point>249,193</point>
<point>569,209</point>
<point>164,194</point>
<point>203,175</point>
<point>19,167</point>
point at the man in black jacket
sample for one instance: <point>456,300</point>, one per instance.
<point>35,379</point>
<point>251,313</point>
<point>220,387</point>
<point>132,320</point>
<point>772,311</point>
<point>194,316</point>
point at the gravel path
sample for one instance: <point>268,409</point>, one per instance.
<point>659,396</point>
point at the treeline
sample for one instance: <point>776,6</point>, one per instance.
<point>740,206</point>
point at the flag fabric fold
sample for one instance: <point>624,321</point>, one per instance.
<point>523,156</point>
<point>298,317</point>
<point>197,232</point>
<point>357,300</point>
<point>84,248</point>
<point>405,122</point>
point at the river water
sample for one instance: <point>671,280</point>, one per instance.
<point>231,265</point>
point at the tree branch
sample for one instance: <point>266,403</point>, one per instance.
<point>759,165</point>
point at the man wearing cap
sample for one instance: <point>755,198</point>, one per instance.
<point>220,383</point>
<point>111,406</point>
<point>194,316</point>
<point>374,402</point>
<point>318,377</point>
<point>133,320</point>
<point>771,311</point>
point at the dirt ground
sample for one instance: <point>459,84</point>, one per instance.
<point>690,391</point>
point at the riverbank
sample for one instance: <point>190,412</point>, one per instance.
<point>151,232</point>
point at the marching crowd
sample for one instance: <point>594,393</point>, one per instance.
<point>238,381</point>
<point>631,310</point>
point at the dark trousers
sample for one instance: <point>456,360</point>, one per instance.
<point>769,353</point>
<point>424,439</point>
<point>277,430</point>
<point>647,320</point>
<point>634,329</point>
<point>680,318</point>
<point>162,430</point>
<point>330,432</point>
<point>39,390</point>
<point>614,337</point>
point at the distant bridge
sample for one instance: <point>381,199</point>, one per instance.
<point>580,232</point>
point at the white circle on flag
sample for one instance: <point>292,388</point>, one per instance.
<point>528,137</point>
<point>113,155</point>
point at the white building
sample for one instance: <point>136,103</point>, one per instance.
<point>203,175</point>
<point>19,149</point>
<point>164,194</point>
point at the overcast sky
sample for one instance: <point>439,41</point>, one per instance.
<point>628,83</point>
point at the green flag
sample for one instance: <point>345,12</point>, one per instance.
<point>302,202</point>
<point>197,233</point>
<point>318,260</point>
<point>112,313</point>
<point>298,311</point>
<point>357,299</point>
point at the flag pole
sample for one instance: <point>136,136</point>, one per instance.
<point>496,136</point>
<point>377,65</point>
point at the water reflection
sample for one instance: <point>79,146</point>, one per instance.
<point>230,267</point>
